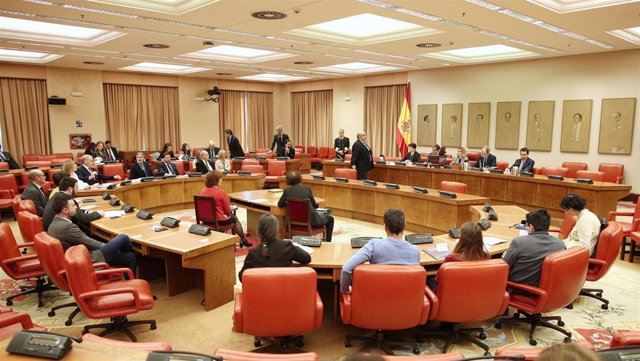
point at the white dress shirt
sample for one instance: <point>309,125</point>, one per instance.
<point>586,231</point>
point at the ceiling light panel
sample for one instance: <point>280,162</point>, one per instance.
<point>481,54</point>
<point>163,68</point>
<point>631,35</point>
<point>356,68</point>
<point>567,6</point>
<point>173,7</point>
<point>27,56</point>
<point>238,54</point>
<point>272,77</point>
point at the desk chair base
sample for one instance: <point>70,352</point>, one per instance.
<point>597,294</point>
<point>279,344</point>
<point>453,333</point>
<point>536,320</point>
<point>120,323</point>
<point>378,340</point>
<point>73,314</point>
<point>40,288</point>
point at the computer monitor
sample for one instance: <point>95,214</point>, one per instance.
<point>434,159</point>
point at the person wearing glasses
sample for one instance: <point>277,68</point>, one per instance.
<point>34,191</point>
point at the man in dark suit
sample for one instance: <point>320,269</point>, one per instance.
<point>279,140</point>
<point>116,252</point>
<point>204,165</point>
<point>90,175</point>
<point>297,190</point>
<point>288,151</point>
<point>167,167</point>
<point>235,149</point>
<point>412,156</point>
<point>7,157</point>
<point>141,168</point>
<point>486,160</point>
<point>524,163</point>
<point>341,144</point>
<point>212,150</point>
<point>34,192</point>
<point>111,152</point>
<point>362,157</point>
<point>82,218</point>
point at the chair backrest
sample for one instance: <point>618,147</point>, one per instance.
<point>324,151</point>
<point>568,223</point>
<point>473,155</point>
<point>51,172</point>
<point>64,155</point>
<point>8,182</point>
<point>573,167</point>
<point>37,163</point>
<point>608,247</point>
<point>625,338</point>
<point>596,176</point>
<point>276,167</point>
<point>27,205</point>
<point>205,210</point>
<point>313,150</point>
<point>485,282</point>
<point>298,210</point>
<point>613,173</point>
<point>51,256</point>
<point>546,171</point>
<point>289,292</point>
<point>30,225</point>
<point>16,203</point>
<point>250,162</point>
<point>388,297</point>
<point>266,155</point>
<point>113,169</point>
<point>262,150</point>
<point>501,165</point>
<point>346,173</point>
<point>4,165</point>
<point>180,165</point>
<point>79,155</point>
<point>563,274</point>
<point>48,157</point>
<point>453,187</point>
<point>253,168</point>
<point>8,244</point>
<point>30,157</point>
<point>80,273</point>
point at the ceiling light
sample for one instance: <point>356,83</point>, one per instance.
<point>269,15</point>
<point>156,46</point>
<point>174,7</point>
<point>54,33</point>
<point>24,56</point>
<point>237,54</point>
<point>93,62</point>
<point>480,54</point>
<point>272,77</point>
<point>631,35</point>
<point>356,68</point>
<point>563,6</point>
<point>428,45</point>
<point>163,68</point>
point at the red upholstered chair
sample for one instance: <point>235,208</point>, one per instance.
<point>4,165</point>
<point>485,282</point>
<point>19,266</point>
<point>275,169</point>
<point>30,225</point>
<point>114,169</point>
<point>627,227</point>
<point>299,219</point>
<point>574,167</point>
<point>535,170</point>
<point>140,346</point>
<point>456,187</point>
<point>323,152</point>
<point>250,162</point>
<point>295,306</point>
<point>30,157</point>
<point>451,356</point>
<point>502,165</point>
<point>207,215</point>
<point>37,163</point>
<point>253,168</point>
<point>262,150</point>
<point>114,300</point>
<point>626,338</point>
<point>608,245</point>
<point>50,172</point>
<point>613,173</point>
<point>591,174</point>
<point>547,171</point>
<point>179,164</point>
<point>46,157</point>
<point>568,223</point>
<point>12,322</point>
<point>63,155</point>
<point>347,156</point>
<point>232,355</point>
<point>79,156</point>
<point>313,150</point>
<point>27,205</point>
<point>348,173</point>
<point>265,155</point>
<point>472,155</point>
<point>385,298</point>
<point>15,204</point>
<point>563,274</point>
<point>531,353</point>
<point>8,190</point>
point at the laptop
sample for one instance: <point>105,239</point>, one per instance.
<point>307,241</point>
<point>434,159</point>
<point>359,242</point>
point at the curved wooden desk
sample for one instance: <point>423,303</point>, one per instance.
<point>292,164</point>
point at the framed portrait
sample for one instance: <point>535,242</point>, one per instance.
<point>427,124</point>
<point>616,125</point>
<point>79,141</point>
<point>508,125</point>
<point>540,125</point>
<point>576,126</point>
<point>478,124</point>
<point>451,134</point>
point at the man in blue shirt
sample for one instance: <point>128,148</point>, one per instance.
<point>391,250</point>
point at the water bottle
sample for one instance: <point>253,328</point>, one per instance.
<point>381,158</point>
<point>514,170</point>
<point>465,165</point>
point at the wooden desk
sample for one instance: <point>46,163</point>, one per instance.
<point>292,164</point>
<point>528,193</point>
<point>305,162</point>
<point>82,352</point>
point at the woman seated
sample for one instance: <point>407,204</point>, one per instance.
<point>461,157</point>
<point>272,252</point>
<point>587,229</point>
<point>223,164</point>
<point>185,152</point>
<point>297,190</point>
<point>69,166</point>
<point>223,205</point>
<point>167,148</point>
<point>99,153</point>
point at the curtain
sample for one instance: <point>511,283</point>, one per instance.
<point>382,105</point>
<point>259,119</point>
<point>24,116</point>
<point>141,117</point>
<point>232,113</point>
<point>312,118</point>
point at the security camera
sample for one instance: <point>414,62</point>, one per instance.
<point>214,91</point>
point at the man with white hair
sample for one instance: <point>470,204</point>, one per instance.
<point>362,156</point>
<point>34,192</point>
<point>204,165</point>
<point>90,175</point>
<point>279,140</point>
<point>212,150</point>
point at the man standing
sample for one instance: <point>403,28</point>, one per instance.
<point>82,218</point>
<point>391,250</point>
<point>288,151</point>
<point>33,191</point>
<point>167,167</point>
<point>235,149</point>
<point>204,165</point>
<point>412,156</point>
<point>524,164</point>
<point>362,157</point>
<point>341,144</point>
<point>112,152</point>
<point>7,157</point>
<point>90,175</point>
<point>212,150</point>
<point>486,160</point>
<point>279,140</point>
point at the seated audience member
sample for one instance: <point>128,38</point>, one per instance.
<point>287,151</point>
<point>110,152</point>
<point>34,191</point>
<point>223,205</point>
<point>526,253</point>
<point>116,252</point>
<point>272,252</point>
<point>141,168</point>
<point>204,165</point>
<point>82,218</point>
<point>486,160</point>
<point>391,250</point>
<point>166,166</point>
<point>297,190</point>
<point>8,158</point>
<point>57,177</point>
<point>90,175</point>
<point>587,229</point>
<point>461,156</point>
<point>99,154</point>
<point>167,148</point>
<point>435,150</point>
<point>443,155</point>
<point>524,163</point>
<point>567,352</point>
<point>185,152</point>
<point>412,156</point>
<point>69,166</point>
<point>195,159</point>
<point>212,150</point>
<point>223,164</point>
<point>90,148</point>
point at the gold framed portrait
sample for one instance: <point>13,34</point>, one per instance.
<point>540,125</point>
<point>478,121</point>
<point>508,125</point>
<point>616,125</point>
<point>427,124</point>
<point>451,125</point>
<point>576,126</point>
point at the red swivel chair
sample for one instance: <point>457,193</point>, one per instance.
<point>627,227</point>
<point>501,165</point>
<point>113,169</point>
<point>8,190</point>
<point>606,252</point>
<point>140,346</point>
<point>262,150</point>
<point>12,322</point>
<point>295,306</point>
<point>114,300</point>
<point>180,166</point>
<point>266,155</point>
<point>613,173</point>
<point>568,223</point>
<point>299,219</point>
<point>27,205</point>
<point>30,225</point>
<point>232,355</point>
<point>456,187</point>
<point>626,338</point>
<point>30,157</point>
<point>51,172</point>
<point>250,162</point>
<point>574,167</point>
<point>65,156</point>
<point>206,214</point>
<point>484,282</point>
<point>348,173</point>
<point>591,174</point>
<point>385,298</point>
<point>253,168</point>
<point>559,171</point>
<point>563,274</point>
<point>21,267</point>
<point>275,169</point>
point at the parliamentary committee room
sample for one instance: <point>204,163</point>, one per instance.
<point>348,180</point>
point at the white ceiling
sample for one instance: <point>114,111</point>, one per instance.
<point>211,22</point>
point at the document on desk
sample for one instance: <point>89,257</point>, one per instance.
<point>492,241</point>
<point>307,249</point>
<point>260,200</point>
<point>88,207</point>
<point>439,252</point>
<point>113,214</point>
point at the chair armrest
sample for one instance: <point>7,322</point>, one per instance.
<point>114,271</point>
<point>614,214</point>
<point>25,244</point>
<point>116,291</point>
<point>11,319</point>
<point>6,194</point>
<point>10,261</point>
<point>319,310</point>
<point>505,303</point>
<point>284,172</point>
<point>433,300</point>
<point>597,262</point>
<point>237,314</point>
<point>102,265</point>
<point>534,290</point>
<point>635,226</point>
<point>619,179</point>
<point>62,276</point>
<point>345,307</point>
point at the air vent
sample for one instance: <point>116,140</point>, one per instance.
<point>303,62</point>
<point>428,45</point>
<point>93,62</point>
<point>156,46</point>
<point>269,15</point>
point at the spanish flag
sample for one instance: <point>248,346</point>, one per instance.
<point>403,130</point>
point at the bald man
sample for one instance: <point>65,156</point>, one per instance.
<point>362,156</point>
<point>34,192</point>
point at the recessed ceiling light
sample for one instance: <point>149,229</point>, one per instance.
<point>223,74</point>
<point>356,68</point>
<point>54,33</point>
<point>428,45</point>
<point>93,62</point>
<point>481,53</point>
<point>156,46</point>
<point>564,6</point>
<point>303,62</point>
<point>272,77</point>
<point>237,54</point>
<point>27,56</point>
<point>631,35</point>
<point>269,15</point>
<point>175,7</point>
<point>163,68</point>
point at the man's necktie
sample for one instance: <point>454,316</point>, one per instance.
<point>111,157</point>
<point>2,158</point>
<point>208,165</point>
<point>169,170</point>
<point>521,165</point>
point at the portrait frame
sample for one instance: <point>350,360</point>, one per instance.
<point>79,141</point>
<point>451,135</point>
<point>478,124</point>
<point>540,125</point>
<point>427,124</point>
<point>508,125</point>
<point>576,126</point>
<point>616,132</point>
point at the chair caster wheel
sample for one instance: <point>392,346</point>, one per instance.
<point>487,353</point>
<point>560,323</point>
<point>532,342</point>
<point>416,350</point>
<point>570,306</point>
<point>498,325</point>
<point>482,336</point>
<point>604,306</point>
<point>40,304</point>
<point>153,326</point>
<point>257,343</point>
<point>51,313</point>
<point>516,315</point>
<point>68,323</point>
<point>567,339</point>
<point>9,303</point>
<point>347,342</point>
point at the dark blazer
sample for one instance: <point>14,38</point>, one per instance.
<point>115,153</point>
<point>491,161</point>
<point>361,157</point>
<point>84,174</point>
<point>162,167</point>
<point>279,141</point>
<point>202,168</point>
<point>9,159</point>
<point>341,144</point>
<point>140,171</point>
<point>235,149</point>
<point>302,191</point>
<point>69,234</point>
<point>281,254</point>
<point>415,158</point>
<point>213,154</point>
<point>283,152</point>
<point>33,192</point>
<point>82,218</point>
<point>527,167</point>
